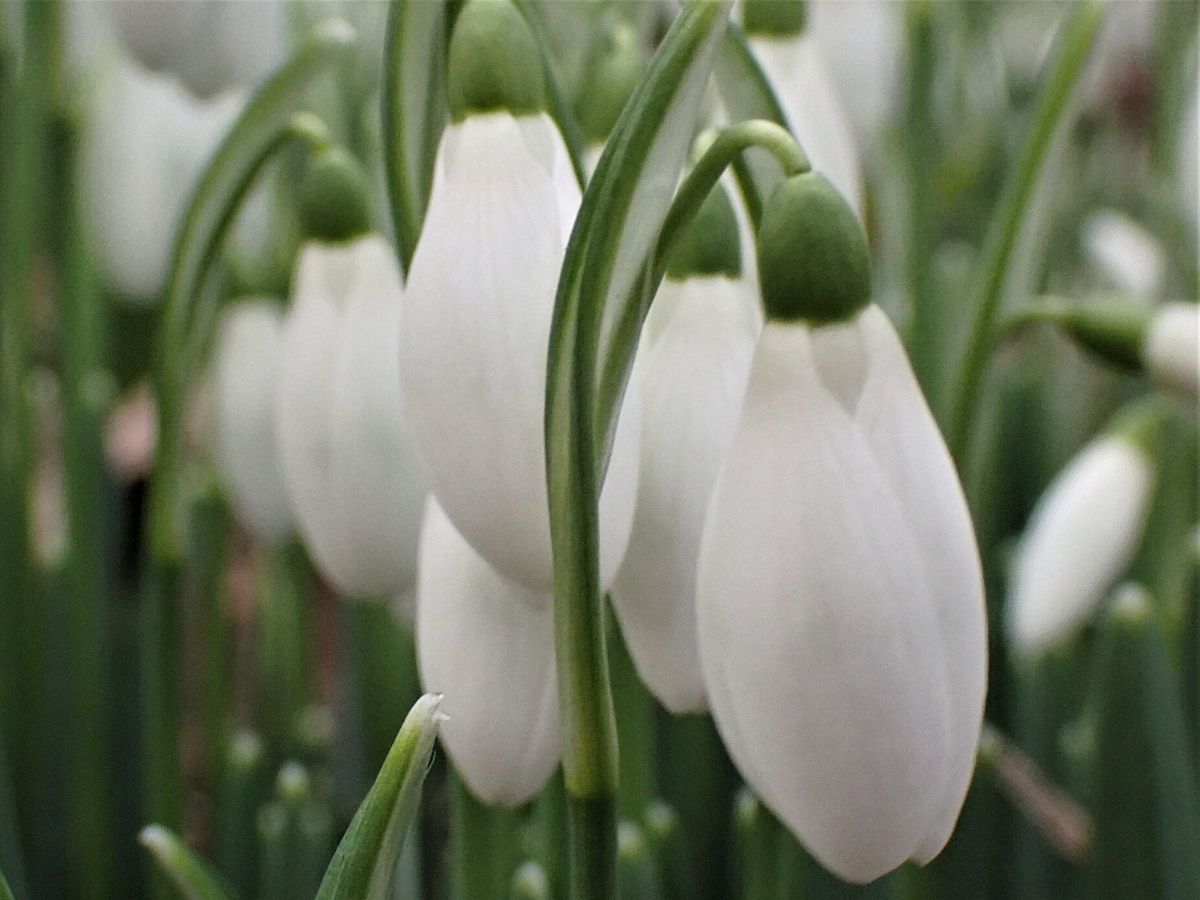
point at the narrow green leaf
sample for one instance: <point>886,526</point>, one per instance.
<point>366,859</point>
<point>1147,814</point>
<point>414,113</point>
<point>746,94</point>
<point>1074,44</point>
<point>5,893</point>
<point>186,870</point>
<point>265,123</point>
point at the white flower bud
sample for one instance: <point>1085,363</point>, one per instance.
<point>487,645</point>
<point>477,316</point>
<point>351,472</point>
<point>692,373</point>
<point>840,601</point>
<point>1128,257</point>
<point>1171,352</point>
<point>248,359</point>
<point>144,144</point>
<point>1080,537</point>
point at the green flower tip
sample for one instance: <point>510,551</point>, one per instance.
<point>1141,423</point>
<point>494,62</point>
<point>775,18</point>
<point>610,83</point>
<point>710,245</point>
<point>813,263</point>
<point>335,201</point>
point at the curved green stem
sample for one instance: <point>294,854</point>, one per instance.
<point>1074,45</point>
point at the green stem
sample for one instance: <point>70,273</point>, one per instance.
<point>1074,45</point>
<point>210,527</point>
<point>285,654</point>
<point>635,729</point>
<point>484,846</point>
<point>592,829</point>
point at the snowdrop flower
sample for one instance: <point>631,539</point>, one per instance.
<point>793,62</point>
<point>1171,349</point>
<point>480,300</point>
<point>608,85</point>
<point>1128,257</point>
<point>245,385</point>
<point>487,645</point>
<point>210,45</point>
<point>144,144</point>
<point>1082,534</point>
<point>692,370</point>
<point>351,472</point>
<point>840,602</point>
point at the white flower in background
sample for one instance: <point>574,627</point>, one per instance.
<point>487,645</point>
<point>145,141</point>
<point>840,602</point>
<point>1128,257</point>
<point>355,484</point>
<point>479,304</point>
<point>246,369</point>
<point>794,63</point>
<point>1081,536</point>
<point>1171,350</point>
<point>210,45</point>
<point>692,369</point>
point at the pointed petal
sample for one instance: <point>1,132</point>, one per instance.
<point>488,646</point>
<point>796,69</point>
<point>909,449</point>
<point>692,379</point>
<point>815,625</point>
<point>475,330</point>
<point>377,487</point>
<point>245,385</point>
<point>1080,537</point>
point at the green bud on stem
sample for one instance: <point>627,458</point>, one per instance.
<point>609,83</point>
<point>335,195</point>
<point>813,263</point>
<point>711,244</point>
<point>494,62</point>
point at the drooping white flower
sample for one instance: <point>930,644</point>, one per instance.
<point>210,45</point>
<point>246,372</point>
<point>839,595</point>
<point>487,645</point>
<point>352,475</point>
<point>794,63</point>
<point>477,316</point>
<point>1080,537</point>
<point>1171,350</point>
<point>145,141</point>
<point>1128,257</point>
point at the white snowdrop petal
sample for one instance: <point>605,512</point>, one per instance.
<point>377,487</point>
<point>476,326</point>
<point>305,397</point>
<point>245,382</point>
<point>796,68</point>
<point>909,448</point>
<point>1129,257</point>
<point>1171,352</point>
<point>818,637</point>
<point>864,43</point>
<point>487,645</point>
<point>1080,537</point>
<point>693,377</point>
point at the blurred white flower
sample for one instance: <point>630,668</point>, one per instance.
<point>840,602</point>
<point>247,362</point>
<point>210,45</point>
<point>1171,352</point>
<point>475,334</point>
<point>352,475</point>
<point>795,66</point>
<point>1080,537</point>
<point>487,645</point>
<point>145,141</point>
<point>1129,258</point>
<point>692,373</point>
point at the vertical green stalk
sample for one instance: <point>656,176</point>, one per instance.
<point>209,557</point>
<point>635,728</point>
<point>1174,82</point>
<point>285,655</point>
<point>919,137</point>
<point>1074,45</point>
<point>484,846</point>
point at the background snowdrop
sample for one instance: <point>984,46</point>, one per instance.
<point>479,303</point>
<point>840,600</point>
<point>245,386</point>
